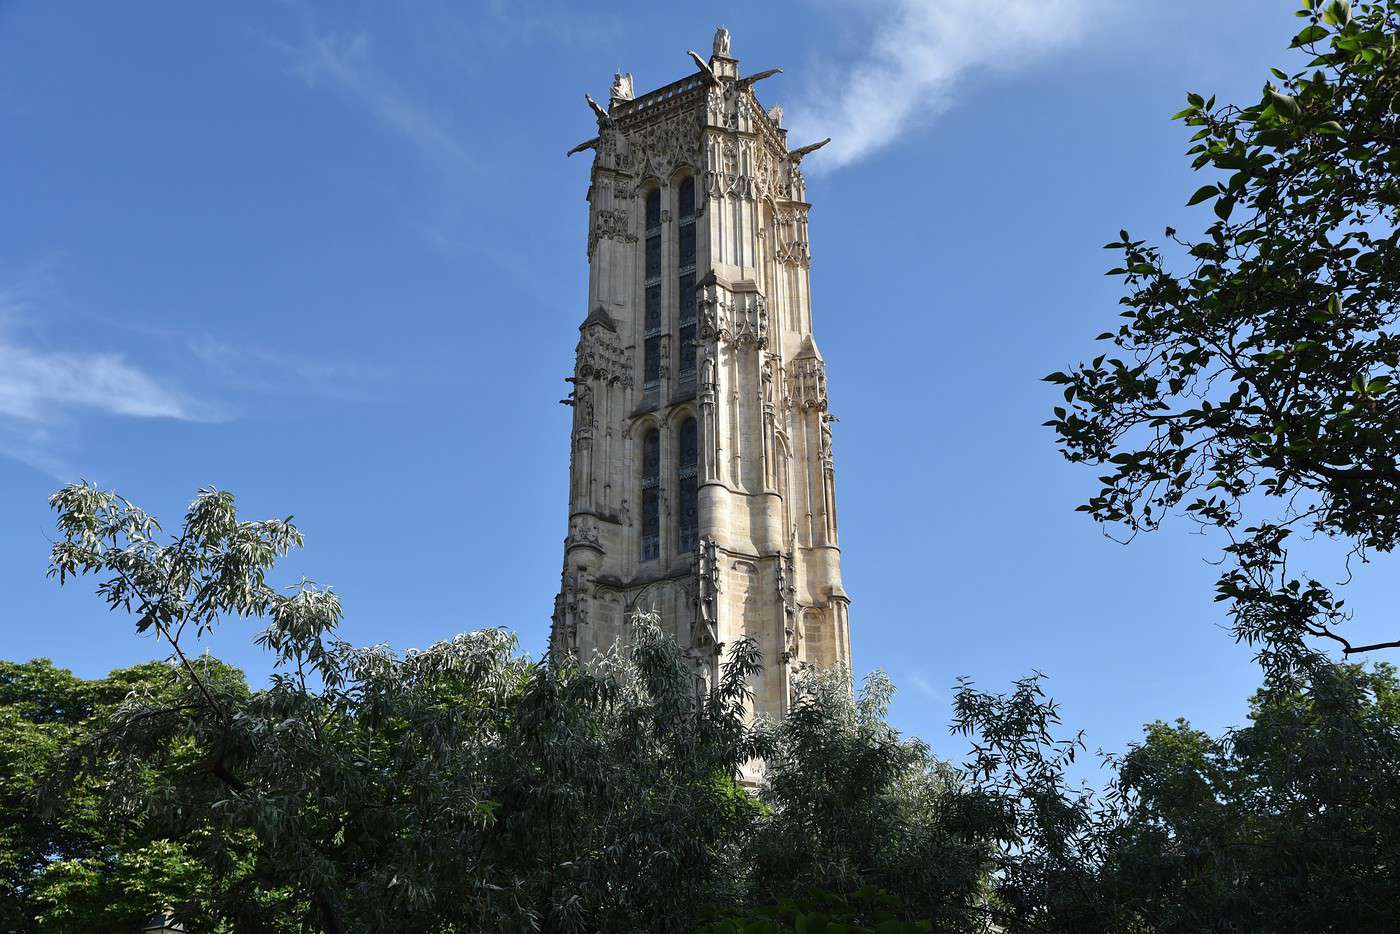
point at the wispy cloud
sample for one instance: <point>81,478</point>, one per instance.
<point>342,62</point>
<point>920,51</point>
<point>37,384</point>
<point>43,390</point>
<point>922,685</point>
<point>274,373</point>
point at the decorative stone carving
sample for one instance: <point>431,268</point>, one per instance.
<point>603,119</point>
<point>707,572</point>
<point>716,109</point>
<point>742,319</point>
<point>751,323</point>
<point>729,175</point>
<point>657,148</point>
<point>583,531</point>
<point>794,252</point>
<point>790,236</point>
<point>583,406</point>
<point>826,437</point>
<point>721,43</point>
<point>599,355</point>
<point>610,224</point>
<point>621,87</point>
<point>807,383</point>
<point>571,607</point>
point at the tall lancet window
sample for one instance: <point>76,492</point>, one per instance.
<point>688,446</point>
<point>651,495</point>
<point>651,326</point>
<point>685,290</point>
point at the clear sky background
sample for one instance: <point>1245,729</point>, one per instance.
<point>332,258</point>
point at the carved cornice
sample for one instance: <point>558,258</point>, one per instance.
<point>627,113</point>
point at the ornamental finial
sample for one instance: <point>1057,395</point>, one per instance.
<point>722,42</point>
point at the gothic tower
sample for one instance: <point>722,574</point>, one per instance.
<point>701,482</point>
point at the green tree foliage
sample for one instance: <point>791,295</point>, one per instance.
<point>462,787</point>
<point>466,787</point>
<point>67,862</point>
<point>120,892</point>
<point>864,911</point>
<point>1262,368</point>
<point>851,806</point>
<point>1289,824</point>
<point>1251,388</point>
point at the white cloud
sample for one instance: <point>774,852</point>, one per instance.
<point>919,53</point>
<point>39,384</point>
<point>43,390</point>
<point>928,690</point>
<point>342,61</point>
<point>34,383</point>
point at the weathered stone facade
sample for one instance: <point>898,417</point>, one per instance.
<point>701,479</point>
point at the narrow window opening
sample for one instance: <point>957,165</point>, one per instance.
<point>686,491</point>
<point>685,286</point>
<point>651,330</point>
<point>651,496</point>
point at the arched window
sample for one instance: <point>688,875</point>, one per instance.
<point>651,495</point>
<point>688,446</point>
<point>685,287</point>
<point>651,325</point>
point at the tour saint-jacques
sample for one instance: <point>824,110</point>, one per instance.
<point>701,481</point>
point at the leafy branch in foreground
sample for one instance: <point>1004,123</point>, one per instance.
<point>1266,368</point>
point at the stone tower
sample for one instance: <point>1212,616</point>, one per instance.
<point>700,475</point>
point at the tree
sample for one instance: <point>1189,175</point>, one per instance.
<point>852,807</point>
<point>1285,826</point>
<point>468,788</point>
<point>1288,824</point>
<point>1263,369</point>
<point>67,863</point>
<point>463,787</point>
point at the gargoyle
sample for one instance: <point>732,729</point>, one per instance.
<point>797,154</point>
<point>751,80</point>
<point>704,66</point>
<point>586,144</point>
<point>603,118</point>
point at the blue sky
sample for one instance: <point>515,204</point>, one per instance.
<point>332,258</point>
